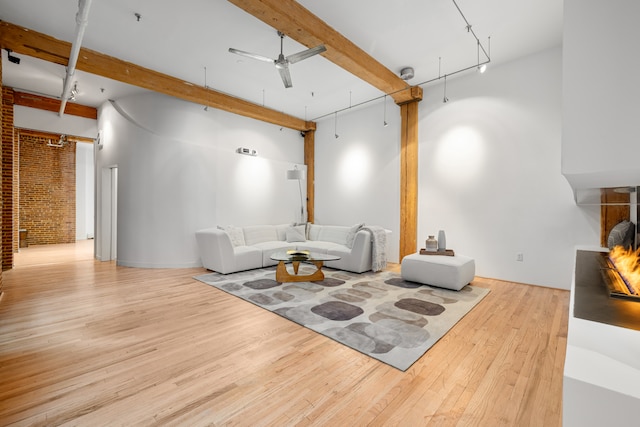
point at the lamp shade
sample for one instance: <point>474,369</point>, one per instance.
<point>297,174</point>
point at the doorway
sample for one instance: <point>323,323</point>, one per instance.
<point>109,212</point>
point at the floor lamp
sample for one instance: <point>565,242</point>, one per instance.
<point>298,175</point>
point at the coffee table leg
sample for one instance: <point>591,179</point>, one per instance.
<point>282,275</point>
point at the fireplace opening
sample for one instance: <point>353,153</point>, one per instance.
<point>621,272</point>
<point>593,299</point>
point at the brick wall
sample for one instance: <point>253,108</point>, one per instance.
<point>1,139</point>
<point>47,190</point>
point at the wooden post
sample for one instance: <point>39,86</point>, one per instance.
<point>309,160</point>
<point>408,178</point>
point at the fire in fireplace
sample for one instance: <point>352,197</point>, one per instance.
<point>592,298</point>
<point>621,272</point>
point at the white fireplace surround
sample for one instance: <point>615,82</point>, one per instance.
<point>601,372</point>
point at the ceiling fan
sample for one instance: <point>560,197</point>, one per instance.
<point>282,63</point>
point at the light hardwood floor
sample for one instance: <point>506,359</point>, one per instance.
<point>89,343</point>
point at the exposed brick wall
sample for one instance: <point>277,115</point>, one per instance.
<point>7,178</point>
<point>2,124</point>
<point>47,191</point>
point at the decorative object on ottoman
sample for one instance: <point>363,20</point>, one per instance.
<point>450,272</point>
<point>442,241</point>
<point>431,244</point>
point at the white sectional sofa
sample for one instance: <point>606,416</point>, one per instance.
<point>230,249</point>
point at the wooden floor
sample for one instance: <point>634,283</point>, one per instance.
<point>89,343</point>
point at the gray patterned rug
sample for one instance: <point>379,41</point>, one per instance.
<point>377,314</point>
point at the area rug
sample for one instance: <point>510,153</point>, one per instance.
<point>378,314</point>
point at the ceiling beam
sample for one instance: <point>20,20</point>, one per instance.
<point>297,22</point>
<point>31,43</point>
<point>51,104</point>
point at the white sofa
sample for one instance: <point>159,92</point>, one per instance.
<point>230,249</point>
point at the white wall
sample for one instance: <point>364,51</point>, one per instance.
<point>357,175</point>
<point>84,191</point>
<point>489,172</point>
<point>178,172</point>
<point>600,103</point>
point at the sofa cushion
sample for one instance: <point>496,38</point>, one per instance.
<point>269,248</point>
<point>296,233</point>
<point>235,234</point>
<point>259,234</point>
<point>281,231</point>
<point>334,233</point>
<point>320,246</point>
<point>313,230</point>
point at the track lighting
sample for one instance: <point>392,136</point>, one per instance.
<point>384,120</point>
<point>12,59</point>
<point>74,92</point>
<point>62,141</point>
<point>445,99</point>
<point>481,68</point>
<point>206,107</point>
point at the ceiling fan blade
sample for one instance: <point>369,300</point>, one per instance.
<point>251,55</point>
<point>305,54</point>
<point>283,69</point>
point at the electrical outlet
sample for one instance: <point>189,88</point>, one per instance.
<point>520,257</point>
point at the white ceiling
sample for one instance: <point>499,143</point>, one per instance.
<point>182,38</point>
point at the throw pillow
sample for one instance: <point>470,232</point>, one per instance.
<point>235,234</point>
<point>621,235</point>
<point>351,235</point>
<point>296,233</point>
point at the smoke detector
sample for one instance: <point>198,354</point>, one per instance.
<point>406,73</point>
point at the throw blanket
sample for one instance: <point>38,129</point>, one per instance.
<point>379,249</point>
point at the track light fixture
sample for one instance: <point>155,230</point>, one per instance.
<point>481,68</point>
<point>12,59</point>
<point>445,99</point>
<point>62,141</point>
<point>384,121</point>
<point>74,92</point>
<point>335,125</point>
<point>206,107</point>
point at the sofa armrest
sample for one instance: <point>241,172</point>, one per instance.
<point>216,250</point>
<point>361,241</point>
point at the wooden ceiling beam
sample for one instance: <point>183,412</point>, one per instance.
<point>297,22</point>
<point>31,43</point>
<point>51,104</point>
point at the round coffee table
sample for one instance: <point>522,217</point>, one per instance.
<point>295,258</point>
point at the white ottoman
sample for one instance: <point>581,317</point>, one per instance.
<point>451,272</point>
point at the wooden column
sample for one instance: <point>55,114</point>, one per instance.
<point>309,160</point>
<point>408,178</point>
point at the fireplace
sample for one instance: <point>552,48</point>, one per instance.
<point>599,292</point>
<point>621,273</point>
